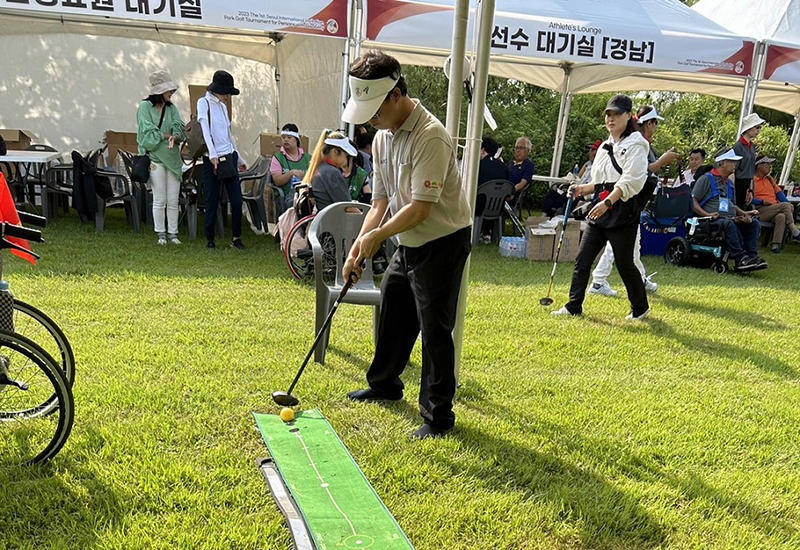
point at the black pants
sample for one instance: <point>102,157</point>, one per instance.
<point>740,189</point>
<point>420,293</point>
<point>212,187</point>
<point>622,241</point>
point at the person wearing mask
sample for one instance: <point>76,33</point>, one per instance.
<point>289,165</point>
<point>416,179</point>
<point>615,216</point>
<point>222,163</point>
<point>648,120</point>
<point>773,206</point>
<point>325,169</point>
<point>745,147</point>
<point>159,133</point>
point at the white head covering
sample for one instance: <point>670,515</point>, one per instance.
<point>343,144</point>
<point>366,97</point>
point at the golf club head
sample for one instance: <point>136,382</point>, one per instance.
<point>544,301</point>
<point>284,399</point>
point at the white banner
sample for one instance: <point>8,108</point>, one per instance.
<point>319,17</point>
<point>588,32</point>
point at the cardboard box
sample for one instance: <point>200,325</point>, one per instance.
<point>571,242</point>
<point>120,140</point>
<point>197,91</point>
<point>540,243</point>
<point>271,143</point>
<point>17,140</point>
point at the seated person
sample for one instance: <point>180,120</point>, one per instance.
<point>289,165</point>
<point>714,197</point>
<point>555,201</point>
<point>357,179</point>
<point>697,166</point>
<point>585,174</point>
<point>772,204</point>
<point>520,170</point>
<point>491,168</point>
<point>325,169</point>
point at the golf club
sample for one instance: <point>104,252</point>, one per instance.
<point>514,219</point>
<point>286,399</point>
<point>547,300</point>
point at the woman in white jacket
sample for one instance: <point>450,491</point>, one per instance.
<point>615,215</point>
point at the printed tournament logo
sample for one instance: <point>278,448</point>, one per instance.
<point>362,91</point>
<point>739,67</point>
<point>433,184</point>
<point>332,26</point>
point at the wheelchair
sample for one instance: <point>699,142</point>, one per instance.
<point>703,246</point>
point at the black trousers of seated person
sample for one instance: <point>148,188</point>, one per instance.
<point>622,240</point>
<point>420,293</point>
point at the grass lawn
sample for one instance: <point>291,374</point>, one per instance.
<point>581,433</point>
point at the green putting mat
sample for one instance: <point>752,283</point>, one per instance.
<point>340,507</point>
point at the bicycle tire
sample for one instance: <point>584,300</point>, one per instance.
<point>23,360</point>
<point>27,320</point>
<point>300,262</point>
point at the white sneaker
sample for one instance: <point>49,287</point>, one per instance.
<point>649,285</point>
<point>174,240</point>
<point>563,311</point>
<point>603,289</point>
<point>550,224</point>
<point>162,240</point>
<point>641,317</point>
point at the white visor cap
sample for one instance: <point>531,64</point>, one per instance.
<point>727,155</point>
<point>343,144</point>
<point>366,97</point>
<point>650,116</point>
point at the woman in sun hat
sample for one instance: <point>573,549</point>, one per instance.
<point>222,163</point>
<point>325,169</point>
<point>159,134</point>
<point>745,148</point>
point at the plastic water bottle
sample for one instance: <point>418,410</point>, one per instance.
<point>6,308</point>
<point>576,169</point>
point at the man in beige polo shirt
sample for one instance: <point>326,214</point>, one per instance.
<point>416,179</point>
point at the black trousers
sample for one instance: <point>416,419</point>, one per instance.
<point>740,187</point>
<point>212,187</point>
<point>420,293</point>
<point>622,241</point>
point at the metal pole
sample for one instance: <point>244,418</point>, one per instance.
<point>485,19</point>
<point>457,55</point>
<point>351,17</point>
<point>561,126</point>
<point>751,86</point>
<point>791,153</point>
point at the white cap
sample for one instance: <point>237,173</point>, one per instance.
<point>751,121</point>
<point>366,97</point>
<point>652,114</point>
<point>727,155</point>
<point>343,144</point>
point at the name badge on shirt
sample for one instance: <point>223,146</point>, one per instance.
<point>724,205</point>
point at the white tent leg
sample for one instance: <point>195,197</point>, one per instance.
<point>561,125</point>
<point>791,153</point>
<point>351,11</point>
<point>485,20</point>
<point>751,86</point>
<point>457,76</point>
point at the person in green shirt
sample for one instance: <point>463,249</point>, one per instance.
<point>289,165</point>
<point>159,134</point>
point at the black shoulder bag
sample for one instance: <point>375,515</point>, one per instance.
<point>140,167</point>
<point>623,212</point>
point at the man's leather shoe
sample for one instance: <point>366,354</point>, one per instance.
<point>427,431</point>
<point>369,394</point>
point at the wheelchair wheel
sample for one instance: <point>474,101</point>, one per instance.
<point>298,252</point>
<point>36,403</point>
<point>677,252</point>
<point>719,267</point>
<point>35,325</point>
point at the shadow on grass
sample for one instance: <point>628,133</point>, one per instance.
<point>745,318</point>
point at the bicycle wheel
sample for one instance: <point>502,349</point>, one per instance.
<point>36,404</point>
<point>297,252</point>
<point>34,324</point>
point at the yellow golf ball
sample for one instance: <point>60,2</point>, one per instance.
<point>287,414</point>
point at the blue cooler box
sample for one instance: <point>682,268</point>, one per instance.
<point>657,233</point>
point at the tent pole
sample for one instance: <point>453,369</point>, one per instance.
<point>485,20</point>
<point>351,18</point>
<point>457,76</point>
<point>791,153</point>
<point>359,27</point>
<point>563,118</point>
<point>751,85</point>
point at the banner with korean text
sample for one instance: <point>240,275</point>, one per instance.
<point>653,35</point>
<point>318,17</point>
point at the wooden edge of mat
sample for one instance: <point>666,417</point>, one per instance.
<point>286,504</point>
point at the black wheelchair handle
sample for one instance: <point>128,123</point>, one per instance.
<point>9,230</point>
<point>33,219</point>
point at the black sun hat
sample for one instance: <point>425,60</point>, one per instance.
<point>222,84</point>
